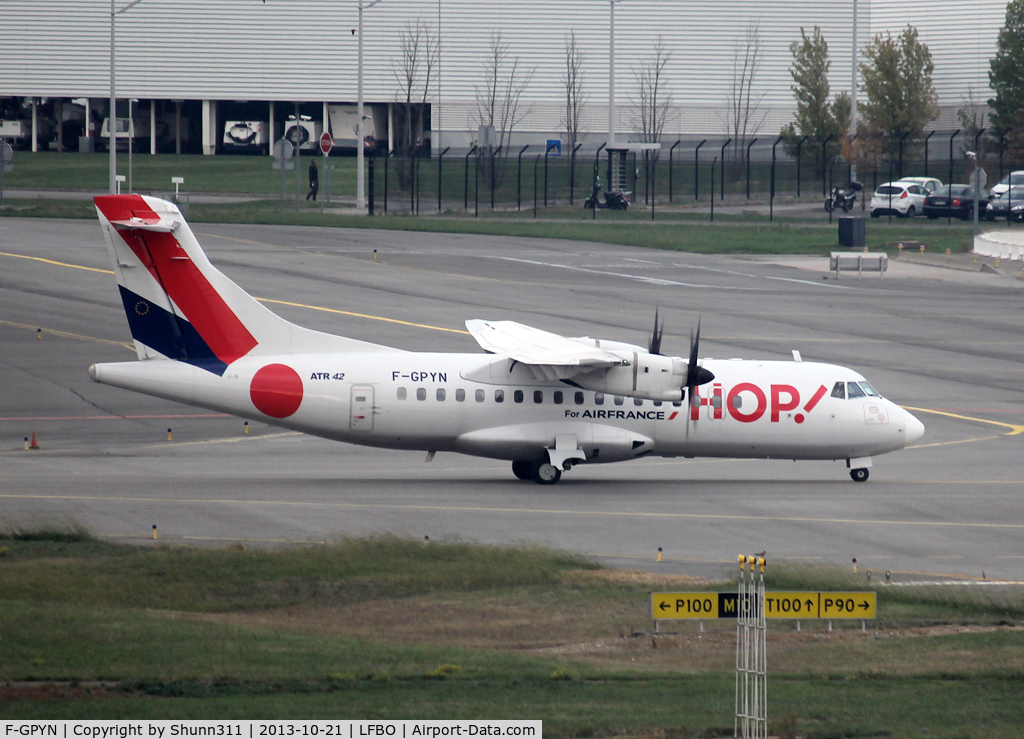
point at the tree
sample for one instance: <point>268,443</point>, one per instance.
<point>497,98</point>
<point>575,98</point>
<point>1006,79</point>
<point>651,101</point>
<point>971,117</point>
<point>817,115</point>
<point>901,98</point>
<point>742,106</point>
<point>412,68</point>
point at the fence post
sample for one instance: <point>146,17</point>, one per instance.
<point>493,154</point>
<point>926,152</point>
<point>654,170</point>
<point>440,162</point>
<point>799,158</point>
<point>824,144</point>
<point>387,160</point>
<point>572,176</point>
<point>476,184</point>
<point>949,220</point>
<point>519,178</point>
<point>713,188</point>
<point>696,172</point>
<point>536,163</point>
<point>369,182</point>
<point>748,165</point>
<point>721,172</point>
<point>902,139</point>
<point>670,169</point>
<point>771,194</point>
<point>465,180</point>
<point>1002,143</point>
<point>597,178</point>
<point>546,152</point>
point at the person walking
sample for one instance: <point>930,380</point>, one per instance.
<point>314,180</point>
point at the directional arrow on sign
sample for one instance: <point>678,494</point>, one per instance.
<point>664,606</point>
<point>865,605</point>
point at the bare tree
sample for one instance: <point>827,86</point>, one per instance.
<point>498,97</point>
<point>575,98</point>
<point>743,106</point>
<point>651,101</point>
<point>413,68</point>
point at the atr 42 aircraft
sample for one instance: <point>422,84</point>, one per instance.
<point>543,401</point>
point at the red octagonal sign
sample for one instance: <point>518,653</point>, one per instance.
<point>326,143</point>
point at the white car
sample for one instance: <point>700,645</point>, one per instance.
<point>1004,184</point>
<point>904,199</point>
<point>928,183</point>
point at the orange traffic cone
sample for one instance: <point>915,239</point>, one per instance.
<point>34,444</point>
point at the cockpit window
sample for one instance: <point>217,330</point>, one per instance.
<point>839,390</point>
<point>854,390</point>
<point>866,386</point>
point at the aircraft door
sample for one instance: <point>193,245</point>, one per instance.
<point>361,408</point>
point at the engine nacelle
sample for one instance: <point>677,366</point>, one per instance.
<point>644,375</point>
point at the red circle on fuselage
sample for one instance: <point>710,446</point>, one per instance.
<point>276,390</point>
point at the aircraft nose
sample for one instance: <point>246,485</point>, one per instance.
<point>915,429</point>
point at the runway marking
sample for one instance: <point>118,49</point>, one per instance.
<point>59,264</point>
<point>363,315</point>
<point>232,440</point>
<point>1015,429</point>
<point>535,511</point>
<point>113,418</point>
<point>69,335</point>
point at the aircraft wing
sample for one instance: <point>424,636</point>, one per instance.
<point>552,355</point>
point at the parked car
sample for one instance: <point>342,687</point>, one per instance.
<point>1000,187</point>
<point>1009,205</point>
<point>956,201</point>
<point>928,183</point>
<point>904,199</point>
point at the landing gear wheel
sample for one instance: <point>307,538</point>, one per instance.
<point>545,473</point>
<point>859,475</point>
<point>523,470</point>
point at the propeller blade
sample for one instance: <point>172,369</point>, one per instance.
<point>655,345</point>
<point>696,375</point>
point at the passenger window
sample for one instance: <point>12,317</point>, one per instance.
<point>657,403</point>
<point>737,402</point>
<point>578,397</point>
<point>538,396</point>
<point>619,400</point>
<point>421,393</point>
<point>854,390</point>
<point>716,401</point>
<point>460,395</point>
<point>638,401</point>
<point>839,390</point>
<point>677,403</point>
<point>402,393</point>
<point>499,396</point>
<point>518,396</point>
<point>598,398</point>
<point>479,396</point>
<point>440,393</point>
<point>558,397</point>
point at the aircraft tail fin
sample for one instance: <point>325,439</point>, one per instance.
<point>179,306</point>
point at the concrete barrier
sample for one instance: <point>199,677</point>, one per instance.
<point>859,262</point>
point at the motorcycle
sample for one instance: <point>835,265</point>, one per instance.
<point>613,200</point>
<point>844,199</point>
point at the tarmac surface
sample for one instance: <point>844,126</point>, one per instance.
<point>946,343</point>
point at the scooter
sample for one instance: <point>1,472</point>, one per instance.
<point>614,200</point>
<point>844,199</point>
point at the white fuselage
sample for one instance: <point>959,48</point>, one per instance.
<point>488,406</point>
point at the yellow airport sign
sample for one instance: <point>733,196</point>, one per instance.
<point>834,605</point>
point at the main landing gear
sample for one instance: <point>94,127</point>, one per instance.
<point>859,475</point>
<point>542,473</point>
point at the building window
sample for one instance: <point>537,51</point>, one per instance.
<point>421,393</point>
<point>538,396</point>
<point>480,396</point>
<point>440,393</point>
<point>460,395</point>
<point>402,393</point>
<point>518,396</point>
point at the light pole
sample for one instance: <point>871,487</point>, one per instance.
<point>853,92</point>
<point>360,164</point>
<point>611,73</point>
<point>112,118</point>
